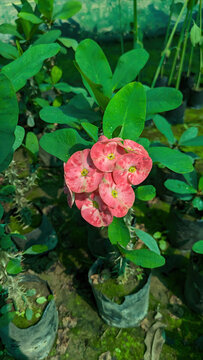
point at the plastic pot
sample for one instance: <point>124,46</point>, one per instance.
<point>176,116</point>
<point>162,81</point>
<point>35,342</point>
<point>44,234</point>
<point>194,283</point>
<point>184,230</point>
<point>125,315</point>
<point>196,99</point>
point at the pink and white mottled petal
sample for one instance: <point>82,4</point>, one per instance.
<point>131,145</point>
<point>97,216</point>
<point>103,138</point>
<point>70,195</point>
<point>119,211</point>
<point>104,155</point>
<point>80,199</point>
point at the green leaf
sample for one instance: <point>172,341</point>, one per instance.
<point>63,143</point>
<point>6,242</point>
<point>144,142</point>
<point>6,319</point>
<point>46,8</point>
<point>179,187</point>
<point>28,314</point>
<point>67,10</point>
<point>197,203</point>
<point>94,89</point>
<point>36,249</point>
<point>8,115</point>
<point>29,64</point>
<point>188,134</point>
<point>172,159</point>
<point>162,99</point>
<point>10,29</point>
<point>41,102</point>
<point>198,247</point>
<point>195,35</point>
<point>6,308</point>
<point>31,143</point>
<point>191,179</point>
<point>197,141</point>
<point>53,114</point>
<point>200,185</point>
<point>69,43</point>
<point>30,17</point>
<point>144,258</point>
<point>68,88</point>
<point>48,37</point>
<point>164,127</point>
<point>127,109</point>
<point>37,315</point>
<point>14,267</point>
<point>8,51</point>
<point>41,300</point>
<point>145,192</point>
<point>19,136</point>
<point>1,211</point>
<point>118,232</point>
<point>31,292</point>
<point>128,67</point>
<point>148,240</point>
<point>56,74</point>
<point>91,130</point>
<point>93,63</point>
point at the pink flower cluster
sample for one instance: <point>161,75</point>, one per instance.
<point>99,179</point>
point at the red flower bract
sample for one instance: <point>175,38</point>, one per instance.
<point>104,155</point>
<point>80,173</point>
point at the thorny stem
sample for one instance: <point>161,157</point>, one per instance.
<point>168,44</point>
<point>184,47</point>
<point>178,49</point>
<point>201,55</point>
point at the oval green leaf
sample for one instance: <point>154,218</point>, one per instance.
<point>145,192</point>
<point>198,247</point>
<point>162,99</point>
<point>179,187</point>
<point>148,240</point>
<point>118,232</point>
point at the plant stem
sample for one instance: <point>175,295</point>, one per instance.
<point>190,61</point>
<point>181,37</point>
<point>168,44</point>
<point>200,54</point>
<point>167,32</point>
<point>184,47</point>
<point>121,32</point>
<point>135,24</point>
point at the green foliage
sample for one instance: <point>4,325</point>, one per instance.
<point>6,318</point>
<point>93,63</point>
<point>195,35</point>
<point>31,292</point>
<point>69,43</point>
<point>63,143</point>
<point>48,37</point>
<point>196,141</point>
<point>162,99</point>
<point>164,127</point>
<point>118,232</point>
<point>36,249</point>
<point>56,74</point>
<point>172,159</point>
<point>31,143</point>
<point>198,247</point>
<point>197,203</point>
<point>144,258</point>
<point>9,115</point>
<point>128,67</point>
<point>46,8</point>
<point>19,136</point>
<point>14,267</point>
<point>29,64</point>
<point>28,314</point>
<point>188,134</point>
<point>148,240</point>
<point>179,187</point>
<point>8,51</point>
<point>191,179</point>
<point>200,185</point>
<point>91,130</point>
<point>41,300</point>
<point>127,109</point>
<point>6,308</point>
<point>145,192</point>
<point>68,88</point>
<point>66,10</point>
<point>10,29</point>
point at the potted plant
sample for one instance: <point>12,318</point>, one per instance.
<point>24,217</point>
<point>99,180</point>
<point>27,305</point>
<point>185,222</point>
<point>193,285</point>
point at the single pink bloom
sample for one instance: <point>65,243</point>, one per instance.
<point>130,145</point>
<point>132,168</point>
<point>105,154</point>
<point>94,210</point>
<point>119,197</point>
<point>70,195</point>
<point>80,173</point>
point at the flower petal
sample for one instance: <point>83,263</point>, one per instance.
<point>70,195</point>
<point>105,154</point>
<point>95,212</point>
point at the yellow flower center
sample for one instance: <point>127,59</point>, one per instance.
<point>84,172</point>
<point>111,156</point>
<point>132,169</point>
<point>114,193</point>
